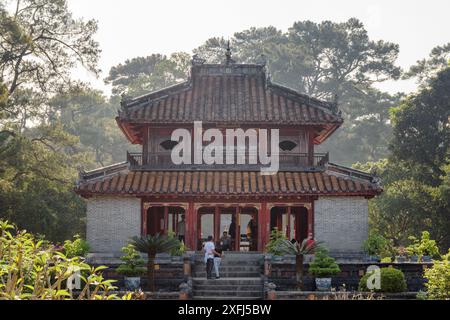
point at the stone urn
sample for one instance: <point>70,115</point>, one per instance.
<point>323,284</point>
<point>427,258</point>
<point>132,283</point>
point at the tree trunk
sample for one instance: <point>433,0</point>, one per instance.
<point>151,272</point>
<point>299,271</point>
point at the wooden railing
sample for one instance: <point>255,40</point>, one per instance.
<point>163,160</point>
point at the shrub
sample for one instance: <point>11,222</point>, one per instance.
<point>438,279</point>
<point>31,270</point>
<point>423,247</point>
<point>275,242</point>
<point>133,265</point>
<point>180,249</point>
<point>375,245</point>
<point>76,248</point>
<point>323,265</point>
<point>392,280</point>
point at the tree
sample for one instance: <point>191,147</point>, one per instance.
<point>424,70</point>
<point>145,74</point>
<point>299,251</point>
<point>421,134</point>
<point>152,245</point>
<point>40,43</point>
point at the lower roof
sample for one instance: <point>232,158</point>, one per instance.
<point>334,180</point>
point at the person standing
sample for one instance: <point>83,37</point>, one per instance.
<point>218,259</point>
<point>181,229</point>
<point>210,251</point>
<point>225,242</point>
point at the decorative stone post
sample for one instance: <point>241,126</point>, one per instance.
<point>184,291</point>
<point>267,265</point>
<point>271,293</point>
<point>187,271</point>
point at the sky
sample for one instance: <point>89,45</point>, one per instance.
<point>132,28</point>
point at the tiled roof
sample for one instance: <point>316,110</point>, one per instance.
<point>194,183</point>
<point>230,94</point>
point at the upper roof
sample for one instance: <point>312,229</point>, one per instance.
<point>228,94</point>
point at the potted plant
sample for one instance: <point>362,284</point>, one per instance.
<point>413,249</point>
<point>323,267</point>
<point>132,267</point>
<point>152,245</point>
<point>299,251</point>
<point>375,245</point>
<point>401,255</point>
<point>428,248</point>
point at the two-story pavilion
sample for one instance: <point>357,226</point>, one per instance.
<point>148,194</point>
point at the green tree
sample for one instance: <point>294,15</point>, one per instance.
<point>421,134</point>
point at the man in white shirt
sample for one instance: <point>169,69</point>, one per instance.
<point>210,251</point>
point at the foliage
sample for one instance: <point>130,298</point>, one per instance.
<point>76,248</point>
<point>438,279</point>
<point>392,280</point>
<point>30,270</point>
<point>277,238</point>
<point>151,245</point>
<point>323,265</point>
<point>133,263</point>
<point>421,134</point>
<point>375,245</point>
<point>181,249</point>
<point>423,247</point>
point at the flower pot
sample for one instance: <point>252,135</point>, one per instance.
<point>374,259</point>
<point>401,259</point>
<point>132,283</point>
<point>414,258</point>
<point>427,258</point>
<point>323,284</point>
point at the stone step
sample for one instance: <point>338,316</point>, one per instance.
<point>249,287</point>
<point>229,274</point>
<point>227,298</point>
<point>227,281</point>
<point>233,267</point>
<point>226,262</point>
<point>228,293</point>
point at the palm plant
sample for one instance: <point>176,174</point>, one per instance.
<point>286,247</point>
<point>152,245</point>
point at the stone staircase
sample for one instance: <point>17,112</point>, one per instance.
<point>241,278</point>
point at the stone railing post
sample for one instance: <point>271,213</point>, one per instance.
<point>187,269</point>
<point>184,291</point>
<point>267,265</point>
<point>271,293</point>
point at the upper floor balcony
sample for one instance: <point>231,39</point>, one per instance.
<point>287,162</point>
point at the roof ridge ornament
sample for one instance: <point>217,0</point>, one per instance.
<point>228,59</point>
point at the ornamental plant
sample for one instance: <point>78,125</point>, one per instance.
<point>423,247</point>
<point>276,241</point>
<point>438,279</point>
<point>133,265</point>
<point>375,245</point>
<point>78,247</point>
<point>392,280</point>
<point>323,265</point>
<point>31,269</point>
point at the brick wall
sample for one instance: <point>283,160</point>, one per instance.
<point>341,223</point>
<point>111,221</point>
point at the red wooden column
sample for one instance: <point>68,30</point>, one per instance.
<point>288,224</point>
<point>190,229</point>
<point>166,220</point>
<point>310,219</point>
<point>310,148</point>
<point>216,223</point>
<point>264,226</point>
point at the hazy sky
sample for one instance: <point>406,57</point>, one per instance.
<point>130,28</point>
